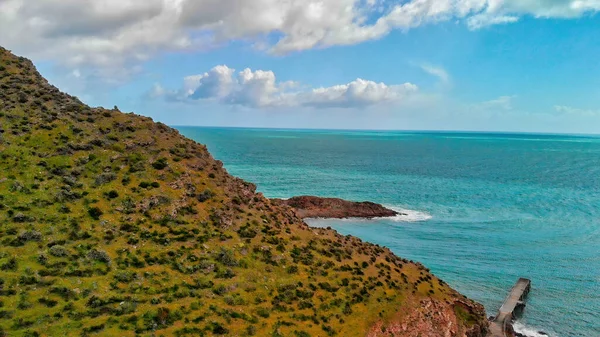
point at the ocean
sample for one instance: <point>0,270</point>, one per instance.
<point>482,209</point>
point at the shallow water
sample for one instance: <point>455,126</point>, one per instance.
<point>483,209</point>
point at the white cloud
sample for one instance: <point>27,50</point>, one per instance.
<point>576,111</point>
<point>488,19</point>
<point>356,93</point>
<point>500,104</point>
<point>216,83</point>
<point>115,33</point>
<point>436,71</point>
<point>260,89</point>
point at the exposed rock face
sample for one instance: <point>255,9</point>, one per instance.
<point>333,208</point>
<point>433,318</point>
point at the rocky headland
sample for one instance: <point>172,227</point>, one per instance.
<point>114,225</point>
<point>307,207</point>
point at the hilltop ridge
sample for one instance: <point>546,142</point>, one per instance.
<point>114,225</point>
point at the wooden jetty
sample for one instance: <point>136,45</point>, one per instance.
<point>501,325</point>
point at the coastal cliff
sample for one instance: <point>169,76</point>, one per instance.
<point>334,208</point>
<point>114,225</point>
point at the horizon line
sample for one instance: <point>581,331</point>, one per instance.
<point>592,135</point>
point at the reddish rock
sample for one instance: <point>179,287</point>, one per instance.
<point>435,318</point>
<point>317,207</point>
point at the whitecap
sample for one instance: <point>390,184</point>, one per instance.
<point>531,332</point>
<point>407,215</point>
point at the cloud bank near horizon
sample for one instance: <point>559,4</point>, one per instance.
<point>260,89</point>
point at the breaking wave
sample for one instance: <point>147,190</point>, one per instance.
<point>530,332</point>
<point>407,215</point>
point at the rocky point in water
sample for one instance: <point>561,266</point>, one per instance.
<point>334,208</point>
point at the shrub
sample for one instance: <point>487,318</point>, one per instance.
<point>301,333</point>
<point>28,279</point>
<point>263,312</point>
<point>217,328</point>
<point>22,97</point>
<point>125,276</point>
<point>105,178</point>
<point>205,195</point>
<point>226,257</point>
<point>160,164</point>
<point>136,167</point>
<point>98,255</point>
<point>50,303</point>
<point>163,316</point>
<point>30,236</point>
<point>65,293</point>
<point>95,213</point>
<point>23,303</point>
<point>347,309</point>
<point>64,209</point>
<point>20,218</point>
<point>11,264</point>
<point>58,251</point>
<point>42,259</point>
<point>220,289</point>
<point>112,194</point>
<point>203,283</point>
<point>125,308</point>
<point>251,330</point>
<point>225,273</point>
<point>247,232</point>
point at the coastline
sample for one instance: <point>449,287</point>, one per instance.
<point>464,232</point>
<point>221,243</point>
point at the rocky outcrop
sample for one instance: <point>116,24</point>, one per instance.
<point>435,318</point>
<point>334,208</point>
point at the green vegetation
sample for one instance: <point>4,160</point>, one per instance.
<point>113,225</point>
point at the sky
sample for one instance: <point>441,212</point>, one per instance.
<point>468,65</point>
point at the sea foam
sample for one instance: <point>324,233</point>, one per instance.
<point>407,215</point>
<point>531,332</point>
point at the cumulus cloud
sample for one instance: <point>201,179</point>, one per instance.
<point>106,33</point>
<point>357,93</point>
<point>260,89</point>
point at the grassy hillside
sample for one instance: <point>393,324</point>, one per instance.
<point>113,225</point>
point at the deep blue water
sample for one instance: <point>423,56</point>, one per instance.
<point>484,209</point>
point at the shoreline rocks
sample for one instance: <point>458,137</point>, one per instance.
<point>335,208</point>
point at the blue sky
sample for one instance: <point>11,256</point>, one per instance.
<point>485,65</point>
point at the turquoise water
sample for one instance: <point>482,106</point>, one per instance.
<point>484,209</point>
